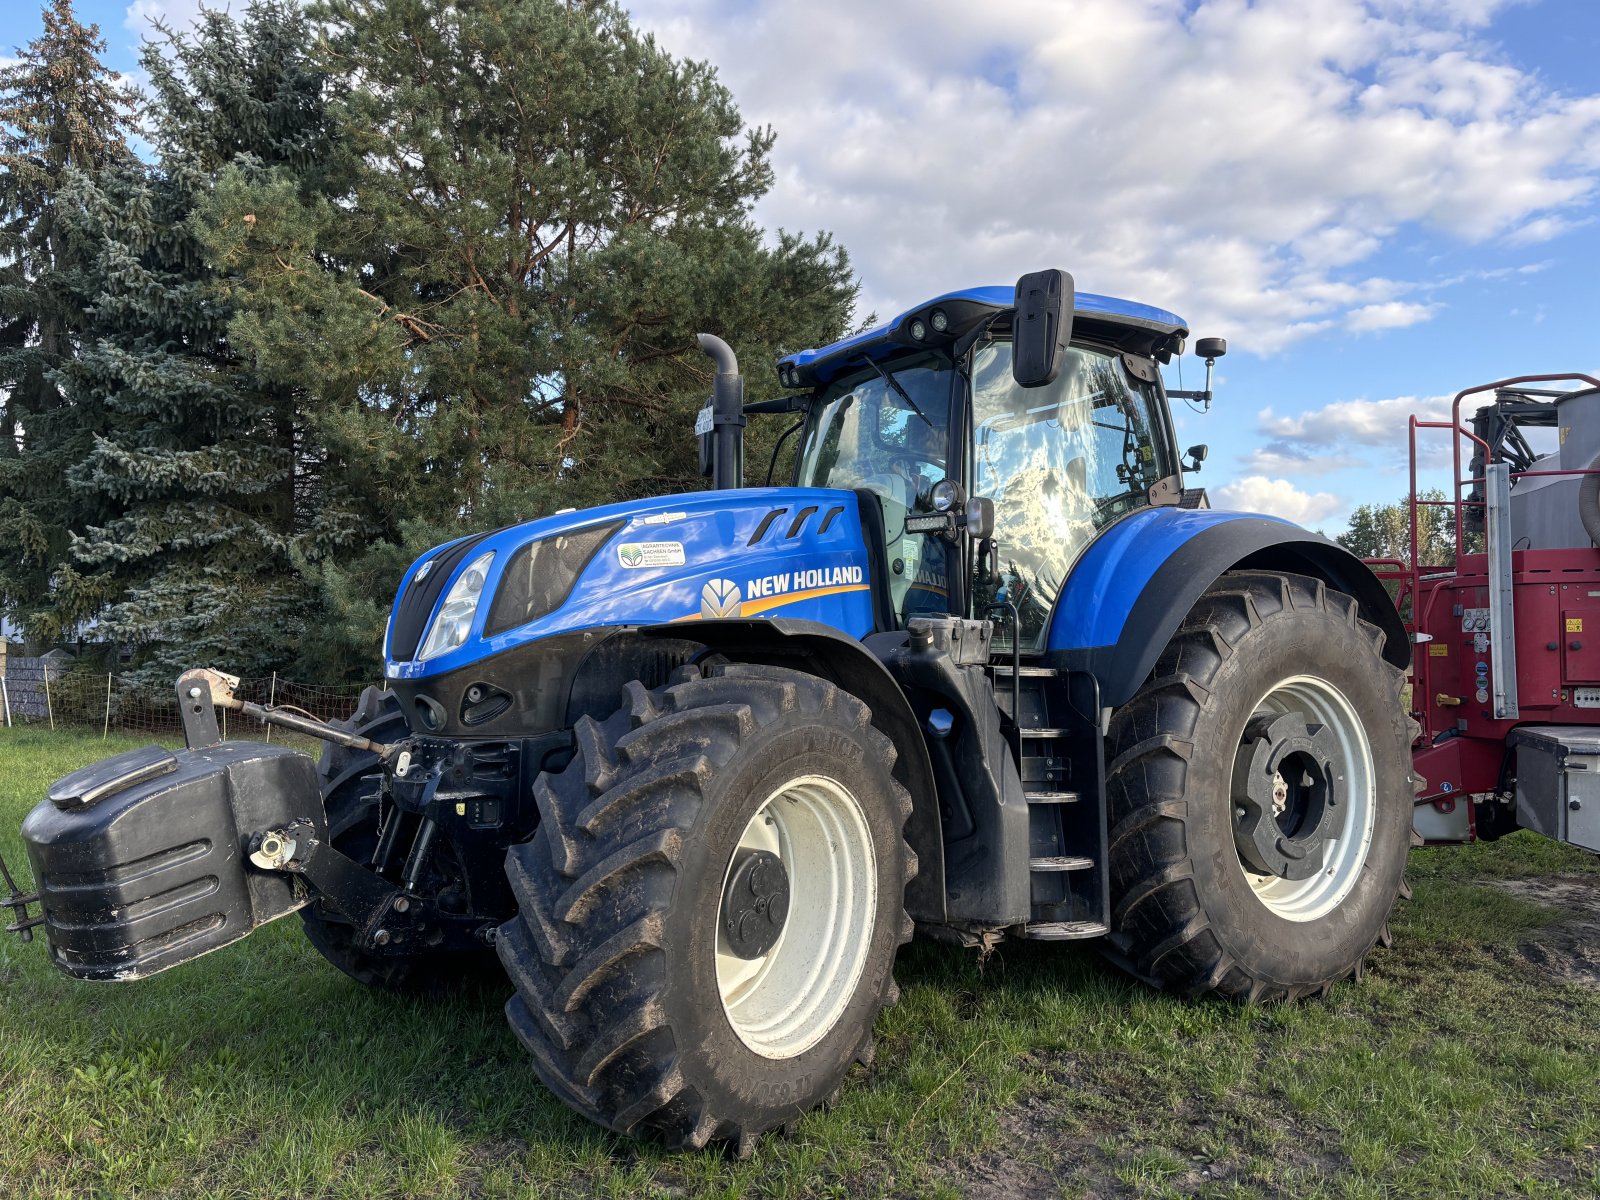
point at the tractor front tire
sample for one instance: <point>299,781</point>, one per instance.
<point>710,908</point>
<point>1260,795</point>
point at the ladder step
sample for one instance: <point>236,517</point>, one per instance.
<point>1064,862</point>
<point>1044,733</point>
<point>1060,931</point>
<point>1026,672</point>
<point>1050,797</point>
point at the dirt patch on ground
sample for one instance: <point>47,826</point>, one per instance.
<point>1013,1171</point>
<point>1569,949</point>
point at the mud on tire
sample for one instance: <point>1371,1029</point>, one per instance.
<point>613,953</point>
<point>1185,915</point>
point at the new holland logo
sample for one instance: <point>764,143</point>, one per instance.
<point>720,598</point>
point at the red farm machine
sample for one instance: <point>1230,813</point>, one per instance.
<point>1506,673</point>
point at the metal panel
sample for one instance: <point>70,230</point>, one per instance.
<point>1583,800</point>
<point>1580,643</point>
<point>1502,611</point>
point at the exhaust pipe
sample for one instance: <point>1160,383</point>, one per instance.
<point>721,423</point>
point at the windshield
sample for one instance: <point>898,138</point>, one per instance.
<point>864,433</point>
<point>1060,463</point>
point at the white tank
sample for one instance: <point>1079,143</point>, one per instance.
<point>1544,509</point>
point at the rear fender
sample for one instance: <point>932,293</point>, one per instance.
<point>1133,587</point>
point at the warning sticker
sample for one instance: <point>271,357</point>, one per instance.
<point>650,554</point>
<point>1574,624</point>
<point>1438,650</point>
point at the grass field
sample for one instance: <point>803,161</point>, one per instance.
<point>1465,1064</point>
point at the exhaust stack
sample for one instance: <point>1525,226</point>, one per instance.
<point>721,423</point>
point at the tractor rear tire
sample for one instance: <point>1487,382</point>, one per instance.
<point>639,1009</point>
<point>1196,907</point>
<point>349,780</point>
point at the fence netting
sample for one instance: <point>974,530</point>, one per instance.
<point>39,693</point>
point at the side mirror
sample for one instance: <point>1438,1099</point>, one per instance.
<point>1198,454</point>
<point>1042,327</point>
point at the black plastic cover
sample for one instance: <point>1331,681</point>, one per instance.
<point>155,870</point>
<point>1042,327</point>
<point>540,576</point>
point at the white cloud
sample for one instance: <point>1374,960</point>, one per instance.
<point>1241,163</point>
<point>1278,498</point>
<point>179,14</point>
<point>1346,422</point>
<point>1392,314</point>
<point>1322,440</point>
<point>1288,458</point>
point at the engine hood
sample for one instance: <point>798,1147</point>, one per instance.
<point>749,552</point>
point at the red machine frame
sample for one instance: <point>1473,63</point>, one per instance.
<point>1553,638</point>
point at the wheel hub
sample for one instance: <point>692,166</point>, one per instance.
<point>1287,790</point>
<point>755,903</point>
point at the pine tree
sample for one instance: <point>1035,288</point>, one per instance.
<point>62,112</point>
<point>495,314</point>
<point>1384,531</point>
<point>194,459</point>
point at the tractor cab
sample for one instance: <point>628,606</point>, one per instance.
<point>928,412</point>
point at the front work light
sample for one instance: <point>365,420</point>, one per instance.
<point>454,621</point>
<point>939,320</point>
<point>946,496</point>
<point>919,329</point>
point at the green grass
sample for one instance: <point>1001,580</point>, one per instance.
<point>1456,1068</point>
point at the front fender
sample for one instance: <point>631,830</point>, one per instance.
<point>1127,595</point>
<point>823,651</point>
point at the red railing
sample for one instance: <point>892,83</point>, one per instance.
<point>1408,572</point>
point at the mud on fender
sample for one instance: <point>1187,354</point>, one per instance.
<point>141,862</point>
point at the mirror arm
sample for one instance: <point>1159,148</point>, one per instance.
<point>782,438</point>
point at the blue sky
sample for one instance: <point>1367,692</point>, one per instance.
<point>1378,202</point>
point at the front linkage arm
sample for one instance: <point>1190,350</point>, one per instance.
<point>201,691</point>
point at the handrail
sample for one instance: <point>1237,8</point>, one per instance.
<point>1409,570</point>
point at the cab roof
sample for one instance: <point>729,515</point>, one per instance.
<point>1125,324</point>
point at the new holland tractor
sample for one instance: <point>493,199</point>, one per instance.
<point>692,768</point>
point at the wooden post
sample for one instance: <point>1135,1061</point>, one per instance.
<point>272,698</point>
<point>106,731</point>
<point>49,708</point>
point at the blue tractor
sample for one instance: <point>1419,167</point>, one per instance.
<point>690,769</point>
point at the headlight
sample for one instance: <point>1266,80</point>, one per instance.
<point>451,626</point>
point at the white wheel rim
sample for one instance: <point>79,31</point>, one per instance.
<point>784,1002</point>
<point>1344,850</point>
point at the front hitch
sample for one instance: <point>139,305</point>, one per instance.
<point>152,857</point>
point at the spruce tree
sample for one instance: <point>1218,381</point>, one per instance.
<point>195,458</point>
<point>62,112</point>
<point>495,313</point>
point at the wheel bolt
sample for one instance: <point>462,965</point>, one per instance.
<point>401,903</point>
<point>381,938</point>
